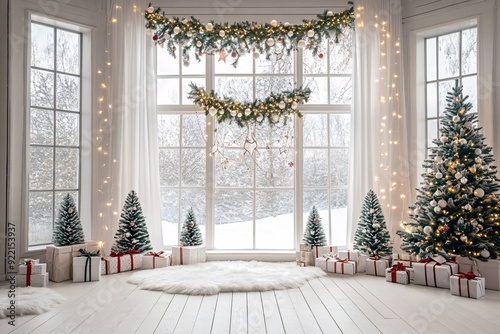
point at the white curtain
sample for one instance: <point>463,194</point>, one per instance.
<point>132,151</point>
<point>379,154</point>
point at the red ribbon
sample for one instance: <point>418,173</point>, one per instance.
<point>181,255</point>
<point>131,252</point>
<point>469,275</point>
<point>28,272</point>
<point>395,269</point>
<point>460,282</point>
<point>105,265</point>
<point>155,255</point>
<point>118,255</point>
<point>375,259</point>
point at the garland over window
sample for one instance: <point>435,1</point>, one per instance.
<point>240,38</point>
<point>271,108</point>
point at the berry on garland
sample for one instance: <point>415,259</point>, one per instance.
<point>68,228</point>
<point>191,234</point>
<point>314,234</point>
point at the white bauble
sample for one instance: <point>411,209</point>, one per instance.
<point>166,36</point>
<point>151,9</point>
<point>199,44</point>
<point>468,207</point>
<point>340,36</point>
<point>462,141</point>
<point>463,237</point>
<point>221,112</point>
<point>227,120</point>
<point>463,180</point>
<point>439,175</point>
<point>372,211</point>
<point>290,33</point>
<point>127,235</point>
<point>442,203</point>
<point>438,159</point>
<point>437,209</point>
<point>282,105</point>
<point>270,41</point>
<point>256,55</point>
<point>427,230</point>
<point>239,115</point>
<point>433,203</point>
<point>248,111</point>
<point>478,160</point>
<point>310,33</point>
<point>456,119</point>
<point>286,24</point>
<point>185,21</point>
<point>274,23</point>
<point>222,33</point>
<point>477,151</point>
<point>186,63</point>
<point>209,26</point>
<point>438,193</point>
<point>189,33</point>
<point>276,118</point>
<point>212,111</point>
<point>479,192</point>
<point>443,139</point>
<point>473,222</point>
<point>233,113</point>
<point>177,30</point>
<point>301,44</point>
<point>485,253</point>
<point>329,13</point>
<point>468,125</point>
<point>259,118</point>
<point>458,175</point>
<point>294,105</point>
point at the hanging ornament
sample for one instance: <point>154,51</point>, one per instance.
<point>247,112</point>
<point>290,33</point>
<point>315,221</point>
<point>189,34</point>
<point>463,238</point>
<point>274,23</point>
<point>442,203</point>
<point>200,53</point>
<point>150,9</point>
<point>433,203</point>
<point>286,24</point>
<point>282,105</point>
<point>463,180</point>
<point>473,222</point>
<point>239,115</point>
<point>468,125</point>
<point>438,193</point>
<point>479,192</point>
<point>177,30</point>
<point>340,36</point>
<point>458,175</point>
<point>462,141</point>
<point>270,41</point>
<point>443,139</point>
<point>301,44</point>
<point>290,164</point>
<point>372,211</point>
<point>155,38</point>
<point>416,211</point>
<point>329,13</point>
<point>485,253</point>
<point>439,175</point>
<point>438,159</point>
<point>479,227</point>
<point>456,119</point>
<point>233,54</point>
<point>212,111</point>
<point>222,55</point>
<point>468,207</point>
<point>199,44</point>
<point>186,62</point>
<point>376,225</point>
<point>478,160</point>
<point>256,55</point>
<point>310,33</point>
<point>233,113</point>
<point>221,112</point>
<point>276,118</point>
<point>437,209</point>
<point>294,105</point>
<point>428,230</point>
<point>167,37</point>
<point>477,151</point>
<point>132,224</point>
<point>70,210</point>
<point>128,235</point>
<point>209,26</point>
<point>446,227</point>
<point>321,55</point>
<point>259,118</point>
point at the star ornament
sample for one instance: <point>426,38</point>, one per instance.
<point>291,164</point>
<point>222,55</point>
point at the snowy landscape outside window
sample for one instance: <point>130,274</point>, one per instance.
<point>54,126</point>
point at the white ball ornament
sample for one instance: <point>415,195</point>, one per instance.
<point>301,44</point>
<point>199,44</point>
<point>416,211</point>
<point>437,209</point>
<point>227,120</point>
<point>478,160</point>
<point>274,23</point>
<point>177,30</point>
<point>456,119</point>
<point>485,253</point>
<point>427,230</point>
<point>189,33</point>
<point>286,24</point>
<point>329,13</point>
<point>239,115</point>
<point>439,175</point>
<point>166,36</point>
<point>282,105</point>
<point>248,111</point>
<point>222,33</point>
<point>276,118</point>
<point>290,33</point>
<point>209,26</point>
<point>438,159</point>
<point>372,211</point>
<point>479,192</point>
<point>468,207</point>
<point>477,151</point>
<point>442,203</point>
<point>212,111</point>
<point>462,141</point>
<point>310,33</point>
<point>294,105</point>
<point>151,9</point>
<point>468,125</point>
<point>438,193</point>
<point>185,21</point>
<point>458,175</point>
<point>259,118</point>
<point>185,63</point>
<point>376,225</point>
<point>221,112</point>
<point>233,113</point>
<point>463,237</point>
<point>340,36</point>
<point>270,41</point>
<point>256,55</point>
<point>433,203</point>
<point>443,139</point>
<point>463,180</point>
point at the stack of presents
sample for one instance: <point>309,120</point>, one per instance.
<point>454,274</point>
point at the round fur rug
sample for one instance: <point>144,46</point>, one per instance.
<point>211,278</point>
<point>29,301</point>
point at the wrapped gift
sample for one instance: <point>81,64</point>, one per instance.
<point>398,274</point>
<point>37,280</point>
<point>87,266</point>
<point>326,263</point>
<point>305,257</point>
<point>407,264</point>
<point>345,267</point>
<point>467,285</point>
<point>490,270</point>
<point>188,255</point>
<point>31,267</point>
<point>120,262</point>
<point>349,255</point>
<point>432,273</point>
<point>152,260</point>
<point>319,250</point>
<point>362,263</point>
<point>60,259</point>
<point>304,248</point>
<point>376,266</point>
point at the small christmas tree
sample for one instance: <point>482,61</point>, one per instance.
<point>372,236</point>
<point>456,211</point>
<point>68,228</point>
<point>314,234</point>
<point>132,233</point>
<point>191,234</point>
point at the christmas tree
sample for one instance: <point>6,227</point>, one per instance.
<point>191,234</point>
<point>132,233</point>
<point>456,210</point>
<point>314,234</point>
<point>372,236</point>
<point>68,228</point>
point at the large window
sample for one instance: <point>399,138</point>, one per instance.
<point>448,57</point>
<point>244,183</point>
<point>54,125</point>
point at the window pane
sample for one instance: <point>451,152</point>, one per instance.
<point>315,64</point>
<point>432,100</point>
<point>41,168</point>
<point>193,167</point>
<point>245,65</point>
<point>339,216</point>
<point>200,82</point>
<point>195,67</point>
<point>470,88</point>
<point>231,135</point>
<point>339,167</point>
<point>233,219</point>
<point>431,58</point>
<point>194,198</point>
<point>68,92</point>
<point>319,199</point>
<point>40,217</point>
<point>315,167</point>
<point>432,131</point>
<point>168,130</point>
<point>68,52</point>
<point>42,88</point>
<point>67,162</point>
<point>168,91</point>
<point>341,56</point>
<point>340,130</point>
<point>169,167</point>
<point>42,127</point>
<point>193,130</point>
<point>341,90</point>
<point>68,129</point>
<point>279,135</point>
<point>319,89</point>
<point>444,88</point>
<point>233,169</point>
<point>274,220</point>
<point>239,88</point>
<point>315,130</point>
<point>42,46</point>
<point>449,51</point>
<point>469,51</point>
<point>274,66</point>
<point>272,169</point>
<point>169,214</point>
<point>165,63</point>
<point>264,86</point>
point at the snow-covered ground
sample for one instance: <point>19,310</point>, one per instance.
<point>270,232</point>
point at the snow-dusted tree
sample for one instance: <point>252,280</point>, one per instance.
<point>191,234</point>
<point>314,234</point>
<point>68,228</point>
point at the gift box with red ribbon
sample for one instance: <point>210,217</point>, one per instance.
<point>152,260</point>
<point>32,274</point>
<point>362,263</point>
<point>490,270</point>
<point>344,267</point>
<point>376,266</point>
<point>182,255</point>
<point>305,258</point>
<point>431,273</point>
<point>325,263</point>
<point>398,274</point>
<point>121,261</point>
<point>319,251</point>
<point>36,267</point>
<point>467,285</point>
<point>349,255</point>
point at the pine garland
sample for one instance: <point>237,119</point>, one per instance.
<point>239,38</point>
<point>272,108</point>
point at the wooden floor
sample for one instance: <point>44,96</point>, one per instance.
<point>335,304</point>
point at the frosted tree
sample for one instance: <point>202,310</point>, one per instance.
<point>191,234</point>
<point>132,233</point>
<point>68,228</point>
<point>372,236</point>
<point>314,234</point>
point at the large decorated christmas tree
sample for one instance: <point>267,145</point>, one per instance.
<point>372,236</point>
<point>314,234</point>
<point>68,228</point>
<point>191,234</point>
<point>456,210</point>
<point>132,233</point>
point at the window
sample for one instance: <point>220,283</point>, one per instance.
<point>250,202</point>
<point>448,57</point>
<point>54,125</point>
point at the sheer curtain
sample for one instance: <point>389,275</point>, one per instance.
<point>131,154</point>
<point>379,154</point>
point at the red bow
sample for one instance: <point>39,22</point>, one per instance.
<point>398,267</point>
<point>133,251</point>
<point>376,258</point>
<point>159,254</point>
<point>424,260</point>
<point>113,254</point>
<point>469,275</point>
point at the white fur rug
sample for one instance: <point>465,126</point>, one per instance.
<point>213,277</point>
<point>29,301</point>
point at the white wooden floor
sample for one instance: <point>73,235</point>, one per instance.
<point>335,304</point>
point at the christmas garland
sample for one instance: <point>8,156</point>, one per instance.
<point>271,108</point>
<point>245,37</point>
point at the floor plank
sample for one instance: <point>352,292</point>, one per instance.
<point>205,318</point>
<point>239,313</point>
<point>154,317</point>
<point>222,316</point>
<point>272,315</point>
<point>256,323</point>
<point>289,316</point>
<point>323,317</point>
<point>172,314</point>
<point>306,317</point>
<point>189,314</point>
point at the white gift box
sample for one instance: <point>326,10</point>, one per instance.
<point>120,262</point>
<point>362,263</point>
<point>344,267</point>
<point>152,260</point>
<point>465,287</point>
<point>39,268</point>
<point>398,276</point>
<point>307,258</point>
<point>489,270</point>
<point>86,272</point>
<point>60,259</point>
<point>188,255</point>
<point>434,274</point>
<point>376,266</point>
<point>38,280</point>
<point>349,255</point>
<point>325,263</point>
